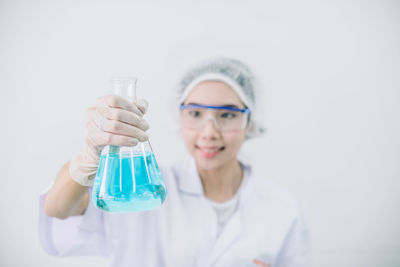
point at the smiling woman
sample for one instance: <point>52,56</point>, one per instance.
<point>217,213</point>
<point>210,142</point>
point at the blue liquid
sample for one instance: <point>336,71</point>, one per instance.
<point>123,192</point>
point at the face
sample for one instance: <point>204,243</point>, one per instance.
<point>211,148</point>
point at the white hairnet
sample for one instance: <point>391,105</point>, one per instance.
<point>233,73</point>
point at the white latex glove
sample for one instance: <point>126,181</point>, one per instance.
<point>113,120</point>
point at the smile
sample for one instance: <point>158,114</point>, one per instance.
<point>209,152</point>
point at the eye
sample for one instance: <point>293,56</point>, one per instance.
<point>195,113</point>
<point>228,115</point>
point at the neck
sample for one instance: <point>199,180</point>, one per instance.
<point>222,183</point>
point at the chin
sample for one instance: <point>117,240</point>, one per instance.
<point>208,164</point>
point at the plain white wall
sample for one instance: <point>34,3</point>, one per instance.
<point>331,105</point>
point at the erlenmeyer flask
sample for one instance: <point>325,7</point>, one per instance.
<point>128,178</point>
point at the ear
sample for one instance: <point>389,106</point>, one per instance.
<point>250,129</point>
<point>254,130</point>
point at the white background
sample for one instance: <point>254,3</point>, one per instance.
<point>331,105</point>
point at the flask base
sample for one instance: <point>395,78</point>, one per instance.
<point>150,199</point>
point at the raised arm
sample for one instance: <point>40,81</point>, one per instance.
<point>111,121</point>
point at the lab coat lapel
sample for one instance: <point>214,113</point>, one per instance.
<point>234,227</point>
<point>231,232</point>
<point>191,183</point>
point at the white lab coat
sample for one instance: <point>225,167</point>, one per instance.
<point>265,230</point>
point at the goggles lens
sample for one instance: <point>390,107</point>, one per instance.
<point>225,118</point>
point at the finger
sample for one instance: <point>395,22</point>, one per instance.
<point>120,128</point>
<point>97,137</point>
<point>117,127</point>
<point>142,105</point>
<point>124,116</point>
<point>116,101</point>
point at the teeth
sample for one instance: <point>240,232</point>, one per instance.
<point>210,150</point>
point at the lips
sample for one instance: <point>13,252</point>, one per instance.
<point>209,151</point>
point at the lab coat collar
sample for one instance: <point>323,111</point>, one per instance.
<point>234,227</point>
<point>190,182</point>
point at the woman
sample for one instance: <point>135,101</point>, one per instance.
<point>217,213</point>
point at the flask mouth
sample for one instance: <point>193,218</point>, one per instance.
<point>124,86</point>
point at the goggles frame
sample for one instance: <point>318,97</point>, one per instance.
<point>244,111</point>
<point>189,106</point>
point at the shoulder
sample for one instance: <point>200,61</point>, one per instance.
<point>271,197</point>
<point>264,189</point>
<point>272,191</point>
<point>169,175</point>
<point>183,166</point>
<point>179,174</point>
<point>175,169</point>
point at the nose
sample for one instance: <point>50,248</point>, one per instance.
<point>210,130</point>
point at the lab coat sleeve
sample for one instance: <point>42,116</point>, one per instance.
<point>295,250</point>
<point>82,235</point>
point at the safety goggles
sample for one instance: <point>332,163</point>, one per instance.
<point>225,118</point>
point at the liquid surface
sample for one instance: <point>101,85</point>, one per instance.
<point>125,184</point>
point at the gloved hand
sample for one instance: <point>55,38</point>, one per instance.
<point>113,120</point>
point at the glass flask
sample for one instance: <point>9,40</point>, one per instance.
<point>128,178</point>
